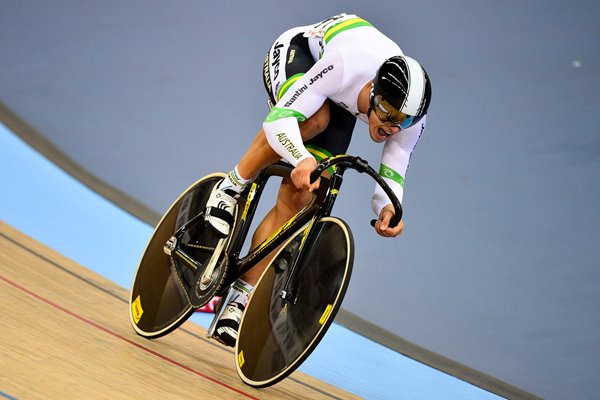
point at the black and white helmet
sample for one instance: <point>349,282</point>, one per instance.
<point>402,83</point>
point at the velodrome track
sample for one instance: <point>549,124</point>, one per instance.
<point>50,206</point>
<point>66,334</point>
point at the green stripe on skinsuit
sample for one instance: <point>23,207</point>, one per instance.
<point>344,26</point>
<point>278,113</point>
<point>287,84</point>
<point>392,174</point>
<point>320,154</point>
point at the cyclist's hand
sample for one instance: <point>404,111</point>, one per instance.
<point>382,224</point>
<point>301,174</point>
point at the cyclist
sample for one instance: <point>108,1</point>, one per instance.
<point>320,78</point>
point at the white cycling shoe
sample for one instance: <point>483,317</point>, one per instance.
<point>219,210</point>
<point>226,330</point>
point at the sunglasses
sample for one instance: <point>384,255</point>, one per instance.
<point>388,114</point>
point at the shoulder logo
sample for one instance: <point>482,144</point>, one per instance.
<point>320,74</point>
<point>276,59</point>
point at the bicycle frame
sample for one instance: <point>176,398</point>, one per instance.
<point>185,264</point>
<point>312,210</point>
<point>319,207</point>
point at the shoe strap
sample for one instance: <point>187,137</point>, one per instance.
<point>229,323</point>
<point>220,214</point>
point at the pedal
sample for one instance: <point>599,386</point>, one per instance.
<point>170,245</point>
<point>288,297</point>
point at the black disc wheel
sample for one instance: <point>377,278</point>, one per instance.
<point>277,335</point>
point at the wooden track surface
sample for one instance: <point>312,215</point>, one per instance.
<point>65,334</point>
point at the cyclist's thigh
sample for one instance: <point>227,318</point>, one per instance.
<point>287,59</point>
<point>290,200</point>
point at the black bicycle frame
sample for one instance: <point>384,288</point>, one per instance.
<point>319,207</point>
<point>312,210</point>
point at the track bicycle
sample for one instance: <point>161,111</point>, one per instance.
<point>298,295</point>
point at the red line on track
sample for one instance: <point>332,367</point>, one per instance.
<point>106,330</point>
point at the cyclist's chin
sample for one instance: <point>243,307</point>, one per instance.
<point>379,134</point>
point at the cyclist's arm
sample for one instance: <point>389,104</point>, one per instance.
<point>302,100</point>
<point>283,134</point>
<point>394,163</point>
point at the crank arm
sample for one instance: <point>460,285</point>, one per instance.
<point>212,263</point>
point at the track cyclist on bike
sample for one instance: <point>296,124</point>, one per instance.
<point>320,78</point>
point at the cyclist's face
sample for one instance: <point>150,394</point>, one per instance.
<point>387,113</point>
<point>381,131</point>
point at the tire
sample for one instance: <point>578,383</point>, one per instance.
<point>275,336</point>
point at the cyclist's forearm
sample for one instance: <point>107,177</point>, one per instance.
<point>393,170</point>
<point>283,134</point>
<point>395,160</point>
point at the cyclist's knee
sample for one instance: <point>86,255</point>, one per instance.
<point>290,200</point>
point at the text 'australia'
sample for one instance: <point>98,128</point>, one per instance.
<point>288,145</point>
